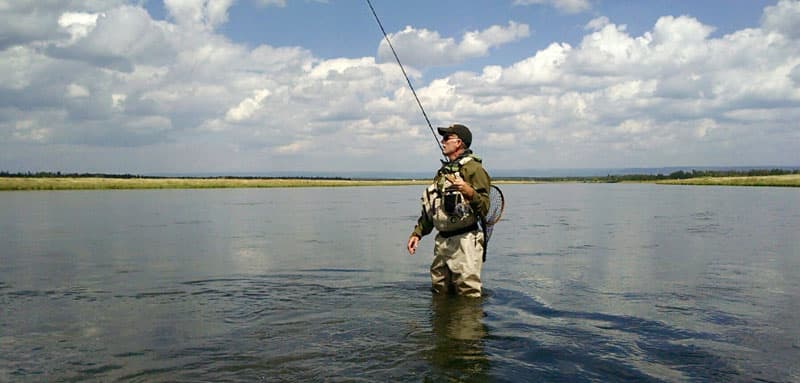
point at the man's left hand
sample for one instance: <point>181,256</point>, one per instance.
<point>463,187</point>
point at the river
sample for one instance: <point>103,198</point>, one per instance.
<point>583,282</point>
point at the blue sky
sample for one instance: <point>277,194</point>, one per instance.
<point>347,29</point>
<point>146,86</point>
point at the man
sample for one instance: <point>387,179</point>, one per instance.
<point>454,204</point>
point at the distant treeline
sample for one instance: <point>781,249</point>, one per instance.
<point>677,175</point>
<point>680,174</point>
<point>137,176</point>
<point>69,175</point>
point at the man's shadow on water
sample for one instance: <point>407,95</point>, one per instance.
<point>458,339</point>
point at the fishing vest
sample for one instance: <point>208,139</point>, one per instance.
<point>449,209</point>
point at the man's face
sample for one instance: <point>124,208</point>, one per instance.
<point>450,144</point>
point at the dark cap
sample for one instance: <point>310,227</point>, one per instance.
<point>459,130</point>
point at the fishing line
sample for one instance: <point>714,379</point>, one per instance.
<point>435,137</point>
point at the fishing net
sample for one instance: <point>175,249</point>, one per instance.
<point>496,205</point>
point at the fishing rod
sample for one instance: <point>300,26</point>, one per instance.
<point>435,137</point>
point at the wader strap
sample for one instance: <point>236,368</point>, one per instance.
<point>448,234</point>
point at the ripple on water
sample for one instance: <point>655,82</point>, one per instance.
<point>596,346</point>
<point>288,330</point>
<point>325,324</point>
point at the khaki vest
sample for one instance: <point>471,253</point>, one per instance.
<point>433,201</point>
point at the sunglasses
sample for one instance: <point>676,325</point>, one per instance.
<point>448,138</point>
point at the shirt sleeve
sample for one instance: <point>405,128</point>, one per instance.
<point>424,222</point>
<point>476,176</point>
<point>424,225</point>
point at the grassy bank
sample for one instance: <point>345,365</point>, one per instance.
<point>98,183</point>
<point>791,180</point>
<point>109,183</point>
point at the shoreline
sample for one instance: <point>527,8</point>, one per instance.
<point>110,183</point>
<point>103,183</point>
<point>785,180</point>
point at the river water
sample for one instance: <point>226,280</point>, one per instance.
<point>583,282</point>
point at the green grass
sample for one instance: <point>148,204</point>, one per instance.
<point>98,183</point>
<point>788,180</point>
<point>110,183</point>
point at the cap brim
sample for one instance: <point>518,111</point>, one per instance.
<point>444,131</point>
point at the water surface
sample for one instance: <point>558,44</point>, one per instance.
<point>584,282</point>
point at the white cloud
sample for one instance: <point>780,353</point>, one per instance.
<point>100,78</point>
<point>20,25</point>
<point>680,30</point>
<point>116,39</point>
<point>248,107</point>
<point>567,6</point>
<point>704,127</point>
<point>783,18</point>
<point>634,127</point>
<point>75,90</point>
<point>30,131</point>
<point>78,24</point>
<point>673,85</point>
<point>422,48</point>
<point>597,23</point>
<point>477,43</point>
<point>19,66</point>
<point>294,147</point>
<point>29,21</point>
<point>118,100</point>
<point>206,13</point>
<point>543,68</point>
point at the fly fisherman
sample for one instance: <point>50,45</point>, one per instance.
<point>453,205</point>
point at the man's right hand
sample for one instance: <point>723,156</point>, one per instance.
<point>413,241</point>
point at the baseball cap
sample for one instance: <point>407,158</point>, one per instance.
<point>459,130</point>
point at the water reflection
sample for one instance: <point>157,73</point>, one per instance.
<point>458,338</point>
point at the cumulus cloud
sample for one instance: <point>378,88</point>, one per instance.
<point>117,39</point>
<point>247,107</point>
<point>783,18</point>
<point>671,86</point>
<point>96,78</point>
<point>423,48</point>
<point>78,24</point>
<point>27,21</point>
<point>204,13</point>
<point>597,23</point>
<point>567,6</point>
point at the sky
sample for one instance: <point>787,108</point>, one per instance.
<point>264,86</point>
